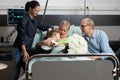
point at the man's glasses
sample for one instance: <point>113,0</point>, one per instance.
<point>83,25</point>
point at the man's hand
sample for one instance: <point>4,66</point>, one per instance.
<point>95,58</point>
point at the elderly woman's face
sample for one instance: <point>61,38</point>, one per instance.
<point>63,31</point>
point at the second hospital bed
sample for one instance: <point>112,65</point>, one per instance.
<point>71,67</point>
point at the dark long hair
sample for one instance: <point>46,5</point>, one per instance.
<point>31,4</point>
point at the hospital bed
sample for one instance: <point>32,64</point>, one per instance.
<point>71,67</point>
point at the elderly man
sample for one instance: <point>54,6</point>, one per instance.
<point>97,39</point>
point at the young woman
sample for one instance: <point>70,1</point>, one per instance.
<point>26,29</point>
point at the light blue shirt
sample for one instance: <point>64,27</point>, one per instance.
<point>98,43</point>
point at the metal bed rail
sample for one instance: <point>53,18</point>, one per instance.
<point>74,55</point>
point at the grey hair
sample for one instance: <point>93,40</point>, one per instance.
<point>66,23</point>
<point>90,21</point>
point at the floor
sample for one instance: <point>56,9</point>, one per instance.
<point>6,72</point>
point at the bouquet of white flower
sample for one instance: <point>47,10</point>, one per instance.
<point>77,45</point>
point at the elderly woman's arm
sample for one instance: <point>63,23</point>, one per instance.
<point>44,42</point>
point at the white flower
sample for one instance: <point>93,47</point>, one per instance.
<point>77,45</point>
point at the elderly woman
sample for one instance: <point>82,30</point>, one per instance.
<point>64,28</point>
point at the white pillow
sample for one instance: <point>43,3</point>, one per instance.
<point>38,37</point>
<point>74,29</point>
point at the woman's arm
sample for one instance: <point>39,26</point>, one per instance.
<point>22,33</point>
<point>44,42</point>
<point>25,54</point>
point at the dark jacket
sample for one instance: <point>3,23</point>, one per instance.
<point>26,29</point>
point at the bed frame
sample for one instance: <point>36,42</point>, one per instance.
<point>73,69</point>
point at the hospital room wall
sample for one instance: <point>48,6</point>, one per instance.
<point>113,32</point>
<point>67,7</point>
<point>92,4</point>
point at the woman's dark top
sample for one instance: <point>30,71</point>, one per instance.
<point>26,29</point>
